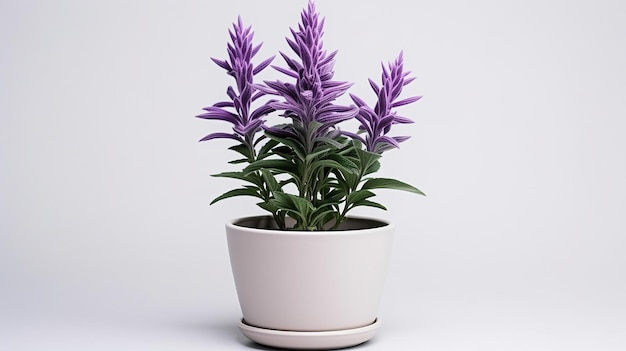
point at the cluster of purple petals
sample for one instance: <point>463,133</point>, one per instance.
<point>376,122</point>
<point>311,97</point>
<point>237,111</point>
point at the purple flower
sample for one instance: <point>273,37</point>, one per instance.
<point>306,168</point>
<point>376,122</point>
<point>237,111</point>
<point>310,98</point>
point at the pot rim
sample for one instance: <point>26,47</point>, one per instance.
<point>376,224</point>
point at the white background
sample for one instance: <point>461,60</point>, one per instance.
<point>107,240</point>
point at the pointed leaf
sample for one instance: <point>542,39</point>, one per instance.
<point>282,166</point>
<point>237,192</point>
<point>315,154</point>
<point>236,162</point>
<point>357,196</point>
<point>334,165</point>
<point>386,183</point>
<point>261,66</point>
<point>374,86</point>
<point>222,64</point>
<point>270,180</point>
<point>345,162</point>
<point>357,100</point>
<point>269,206</point>
<point>250,178</point>
<point>406,101</point>
<point>241,149</point>
<point>265,149</point>
<point>370,204</point>
<point>303,205</point>
<point>220,136</point>
<point>286,71</point>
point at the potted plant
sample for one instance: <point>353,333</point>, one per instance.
<point>307,275</point>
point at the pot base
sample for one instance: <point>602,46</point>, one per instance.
<point>321,340</point>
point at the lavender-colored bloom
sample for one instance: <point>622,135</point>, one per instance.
<point>246,123</point>
<point>330,169</point>
<point>376,122</point>
<point>310,98</point>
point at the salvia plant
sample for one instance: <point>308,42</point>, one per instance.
<point>306,168</point>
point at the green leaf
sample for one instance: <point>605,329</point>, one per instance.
<point>320,218</point>
<point>312,128</point>
<point>372,168</point>
<point>315,154</point>
<point>332,142</point>
<point>370,204</point>
<point>269,206</point>
<point>345,162</point>
<point>357,196</point>
<point>367,160</point>
<point>237,192</point>
<point>270,180</point>
<point>241,160</point>
<point>347,181</point>
<point>333,164</point>
<point>297,207</point>
<point>242,149</point>
<point>281,200</point>
<point>334,196</point>
<point>305,208</point>
<point>250,178</point>
<point>265,149</point>
<point>386,183</point>
<point>302,205</point>
<point>293,144</point>
<point>282,166</point>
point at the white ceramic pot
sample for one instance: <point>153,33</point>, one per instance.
<point>315,282</point>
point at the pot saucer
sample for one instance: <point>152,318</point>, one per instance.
<point>334,339</point>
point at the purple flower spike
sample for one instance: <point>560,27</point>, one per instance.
<point>305,168</point>
<point>246,123</point>
<point>311,98</point>
<point>376,122</point>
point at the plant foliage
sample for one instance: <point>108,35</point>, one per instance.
<point>306,168</point>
